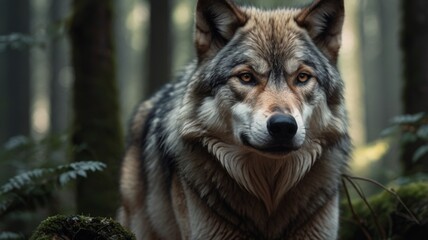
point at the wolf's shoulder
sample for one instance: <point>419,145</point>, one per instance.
<point>156,108</point>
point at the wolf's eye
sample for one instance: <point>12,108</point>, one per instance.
<point>246,78</point>
<point>303,77</point>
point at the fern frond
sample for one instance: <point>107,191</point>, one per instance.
<point>33,188</point>
<point>10,236</point>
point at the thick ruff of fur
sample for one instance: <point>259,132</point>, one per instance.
<point>206,158</point>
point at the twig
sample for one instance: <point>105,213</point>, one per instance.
<point>373,213</point>
<point>413,216</point>
<point>354,214</point>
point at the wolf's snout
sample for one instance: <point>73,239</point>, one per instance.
<point>282,126</point>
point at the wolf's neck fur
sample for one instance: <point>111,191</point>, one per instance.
<point>267,179</point>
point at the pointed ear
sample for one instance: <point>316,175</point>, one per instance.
<point>216,23</point>
<point>323,20</point>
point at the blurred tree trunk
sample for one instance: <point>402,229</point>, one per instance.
<point>96,130</point>
<point>381,78</point>
<point>59,94</point>
<point>14,72</point>
<point>159,71</point>
<point>415,92</point>
<point>381,65</point>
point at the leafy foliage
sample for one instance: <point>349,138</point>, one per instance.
<point>22,153</point>
<point>413,128</point>
<point>399,213</point>
<point>20,41</point>
<point>30,189</point>
<point>10,236</point>
<point>32,172</point>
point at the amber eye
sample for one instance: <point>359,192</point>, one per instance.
<point>246,78</point>
<point>303,77</point>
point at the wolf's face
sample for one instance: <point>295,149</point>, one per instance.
<point>266,81</point>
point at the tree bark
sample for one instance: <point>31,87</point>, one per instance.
<point>96,126</point>
<point>415,92</point>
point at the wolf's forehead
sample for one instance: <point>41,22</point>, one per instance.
<point>278,26</point>
<point>272,39</point>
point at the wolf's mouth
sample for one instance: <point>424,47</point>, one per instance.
<point>273,148</point>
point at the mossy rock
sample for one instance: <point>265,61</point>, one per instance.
<point>395,221</point>
<point>80,228</point>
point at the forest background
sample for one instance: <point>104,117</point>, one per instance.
<point>63,100</point>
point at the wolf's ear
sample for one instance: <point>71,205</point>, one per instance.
<point>216,23</point>
<point>323,20</point>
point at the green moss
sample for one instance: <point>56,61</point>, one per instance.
<point>392,216</point>
<point>80,228</point>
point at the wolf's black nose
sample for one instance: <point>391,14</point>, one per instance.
<point>282,126</point>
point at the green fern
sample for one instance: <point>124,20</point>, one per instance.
<point>10,236</point>
<point>32,172</point>
<point>33,188</point>
<point>21,153</point>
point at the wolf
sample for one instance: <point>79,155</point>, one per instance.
<point>252,138</point>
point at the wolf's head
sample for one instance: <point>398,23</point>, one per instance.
<point>266,81</point>
<point>265,97</point>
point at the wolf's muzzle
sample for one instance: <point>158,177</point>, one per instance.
<point>282,127</point>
